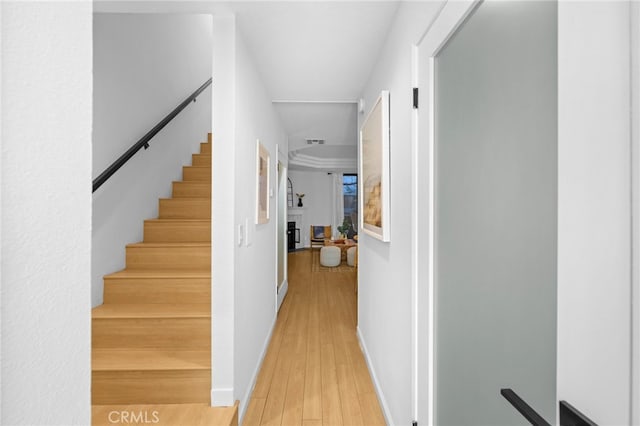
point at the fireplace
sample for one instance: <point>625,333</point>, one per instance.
<point>293,236</point>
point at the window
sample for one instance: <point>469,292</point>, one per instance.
<point>350,192</point>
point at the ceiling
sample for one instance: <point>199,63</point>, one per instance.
<point>314,58</point>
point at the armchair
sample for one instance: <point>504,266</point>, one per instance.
<point>318,234</point>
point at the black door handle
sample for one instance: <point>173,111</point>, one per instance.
<point>570,416</point>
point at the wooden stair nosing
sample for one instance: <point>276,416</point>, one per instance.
<point>140,286</point>
<point>191,188</point>
<point>158,291</point>
<point>196,173</point>
<point>127,274</point>
<point>152,310</point>
<point>177,230</point>
<point>145,387</point>
<point>153,292</point>
<point>201,160</point>
<point>164,256</point>
<point>184,333</point>
<point>149,360</point>
<point>205,148</point>
<point>184,208</point>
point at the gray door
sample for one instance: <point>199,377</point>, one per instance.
<point>496,215</point>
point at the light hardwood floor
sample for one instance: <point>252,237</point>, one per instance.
<point>164,415</point>
<point>314,372</point>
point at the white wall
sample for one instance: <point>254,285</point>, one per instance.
<point>223,232</point>
<point>1,211</point>
<point>244,275</point>
<point>317,188</point>
<point>594,209</point>
<point>144,66</point>
<point>255,286</point>
<point>46,213</point>
<point>384,295</point>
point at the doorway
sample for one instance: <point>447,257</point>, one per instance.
<point>491,300</point>
<point>496,215</point>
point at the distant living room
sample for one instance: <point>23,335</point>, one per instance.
<point>323,218</point>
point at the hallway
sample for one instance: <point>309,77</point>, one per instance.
<point>314,372</point>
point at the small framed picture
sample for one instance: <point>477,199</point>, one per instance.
<point>262,183</point>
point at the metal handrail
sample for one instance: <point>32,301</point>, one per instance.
<point>144,141</point>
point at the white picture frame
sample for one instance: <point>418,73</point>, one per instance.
<point>374,193</point>
<point>263,165</point>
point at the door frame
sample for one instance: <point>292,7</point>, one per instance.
<point>281,210</point>
<point>448,20</point>
<point>635,214</point>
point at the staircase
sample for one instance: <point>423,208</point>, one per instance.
<point>151,343</point>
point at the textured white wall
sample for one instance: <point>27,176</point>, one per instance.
<point>594,232</point>
<point>144,66</point>
<point>46,212</point>
<point>318,190</point>
<point>384,295</point>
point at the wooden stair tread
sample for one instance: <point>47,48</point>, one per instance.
<point>191,188</point>
<point>168,274</point>
<point>169,245</point>
<point>169,414</point>
<point>185,208</point>
<point>193,182</point>
<point>186,220</point>
<point>188,199</point>
<point>201,159</point>
<point>152,310</point>
<point>149,359</point>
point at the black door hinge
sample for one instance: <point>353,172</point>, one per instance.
<point>415,98</point>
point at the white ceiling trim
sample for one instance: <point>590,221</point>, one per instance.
<point>295,158</point>
<point>278,101</point>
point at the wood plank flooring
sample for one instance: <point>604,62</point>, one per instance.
<point>164,415</point>
<point>314,372</point>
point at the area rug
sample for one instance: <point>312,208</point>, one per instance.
<point>316,267</point>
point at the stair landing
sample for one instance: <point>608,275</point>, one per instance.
<point>164,415</point>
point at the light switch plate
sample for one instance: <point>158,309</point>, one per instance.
<point>247,232</point>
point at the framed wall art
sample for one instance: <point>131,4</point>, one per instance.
<point>262,183</point>
<point>374,170</point>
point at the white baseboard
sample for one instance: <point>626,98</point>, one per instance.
<point>376,384</point>
<point>244,403</point>
<point>222,397</point>
<point>282,292</point>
